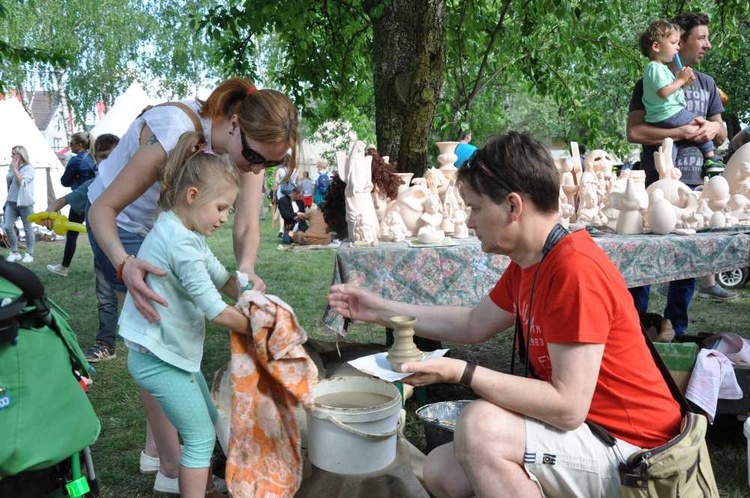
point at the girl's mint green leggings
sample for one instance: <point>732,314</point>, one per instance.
<point>186,402</point>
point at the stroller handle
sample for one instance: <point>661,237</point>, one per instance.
<point>24,279</point>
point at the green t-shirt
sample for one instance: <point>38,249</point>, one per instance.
<point>657,76</point>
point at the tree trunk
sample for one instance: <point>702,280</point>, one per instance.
<point>409,70</point>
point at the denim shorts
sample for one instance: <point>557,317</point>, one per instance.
<point>130,241</point>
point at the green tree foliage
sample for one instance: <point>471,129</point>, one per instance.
<point>108,43</point>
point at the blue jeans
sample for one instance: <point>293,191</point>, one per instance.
<point>12,212</point>
<point>107,303</point>
<point>678,301</point>
<point>130,241</point>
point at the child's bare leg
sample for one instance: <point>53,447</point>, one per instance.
<point>193,482</point>
<point>165,436</point>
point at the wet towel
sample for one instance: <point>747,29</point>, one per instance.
<point>712,378</point>
<point>270,374</point>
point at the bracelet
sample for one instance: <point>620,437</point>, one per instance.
<point>121,267</point>
<point>468,374</point>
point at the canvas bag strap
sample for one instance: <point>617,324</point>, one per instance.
<point>184,108</point>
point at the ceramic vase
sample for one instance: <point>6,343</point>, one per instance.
<point>447,158</point>
<point>403,350</point>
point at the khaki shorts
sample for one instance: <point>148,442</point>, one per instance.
<point>572,463</point>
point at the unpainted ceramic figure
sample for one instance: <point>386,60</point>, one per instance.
<point>403,350</point>
<point>662,216</point>
<point>447,158</point>
<point>364,234</point>
<point>357,172</point>
<point>589,212</point>
<point>599,162</point>
<point>430,232</point>
<point>664,163</point>
<point>628,204</point>
<point>568,183</point>
<point>452,202</point>
<point>393,228</point>
<point>716,192</point>
<point>575,155</point>
<point>735,172</point>
<point>406,177</point>
<point>437,182</point>
<point>410,205</point>
<point>460,230</point>
<point>718,220</point>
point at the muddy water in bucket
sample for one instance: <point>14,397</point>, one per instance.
<point>352,429</point>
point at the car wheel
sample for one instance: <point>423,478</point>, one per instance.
<point>733,279</point>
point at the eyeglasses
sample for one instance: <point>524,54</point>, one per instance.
<point>475,162</point>
<point>254,157</point>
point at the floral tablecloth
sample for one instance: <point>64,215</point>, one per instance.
<point>462,274</point>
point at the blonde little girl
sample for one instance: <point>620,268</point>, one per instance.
<point>198,188</point>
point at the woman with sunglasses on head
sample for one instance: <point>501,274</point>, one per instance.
<point>255,128</point>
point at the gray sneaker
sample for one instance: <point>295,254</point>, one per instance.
<point>715,292</point>
<point>100,352</point>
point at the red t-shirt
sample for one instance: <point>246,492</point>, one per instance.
<point>580,296</point>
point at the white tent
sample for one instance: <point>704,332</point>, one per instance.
<point>307,158</point>
<point>126,108</point>
<point>17,128</point>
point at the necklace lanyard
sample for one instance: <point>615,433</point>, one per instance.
<point>557,233</point>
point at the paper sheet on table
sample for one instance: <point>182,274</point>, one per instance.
<point>377,365</point>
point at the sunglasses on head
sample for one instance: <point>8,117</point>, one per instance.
<point>475,162</point>
<point>254,157</point>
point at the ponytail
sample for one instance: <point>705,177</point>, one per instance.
<point>267,116</point>
<point>191,164</point>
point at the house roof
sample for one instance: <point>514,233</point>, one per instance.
<point>43,106</point>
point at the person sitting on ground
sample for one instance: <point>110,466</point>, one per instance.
<point>464,149</point>
<point>663,96</point>
<point>587,358</point>
<point>290,207</point>
<point>317,232</point>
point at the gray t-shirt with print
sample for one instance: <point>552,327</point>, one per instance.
<point>702,98</point>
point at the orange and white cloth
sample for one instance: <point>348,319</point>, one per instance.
<point>270,374</point>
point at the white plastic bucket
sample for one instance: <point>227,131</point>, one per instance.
<point>352,428</point>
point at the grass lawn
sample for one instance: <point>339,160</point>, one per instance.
<point>302,279</point>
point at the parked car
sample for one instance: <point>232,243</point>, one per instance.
<point>733,279</point>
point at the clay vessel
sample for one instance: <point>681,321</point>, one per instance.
<point>403,350</point>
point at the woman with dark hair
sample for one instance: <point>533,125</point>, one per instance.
<point>80,168</point>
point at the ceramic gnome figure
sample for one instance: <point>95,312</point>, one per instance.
<point>356,169</point>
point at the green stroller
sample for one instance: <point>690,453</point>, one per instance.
<point>46,419</point>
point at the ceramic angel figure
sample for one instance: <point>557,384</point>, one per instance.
<point>430,231</point>
<point>357,172</point>
<point>393,227</point>
<point>364,234</point>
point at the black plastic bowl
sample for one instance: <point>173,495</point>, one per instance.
<point>439,421</point>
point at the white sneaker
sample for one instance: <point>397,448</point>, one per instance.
<point>58,270</point>
<point>164,484</point>
<point>148,464</point>
<point>13,257</point>
<point>27,258</point>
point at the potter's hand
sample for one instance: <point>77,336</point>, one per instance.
<point>707,130</point>
<point>355,303</point>
<point>134,278</point>
<point>433,371</point>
